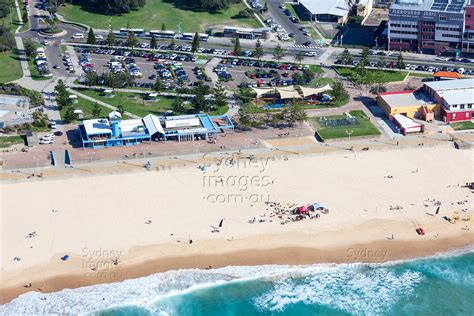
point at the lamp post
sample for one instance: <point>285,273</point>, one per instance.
<point>349,133</point>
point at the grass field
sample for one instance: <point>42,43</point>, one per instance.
<point>364,128</point>
<point>11,67</point>
<point>133,103</point>
<point>458,126</point>
<point>156,12</point>
<point>7,141</point>
<point>9,61</point>
<point>371,75</point>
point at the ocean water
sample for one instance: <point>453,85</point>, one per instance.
<point>438,285</point>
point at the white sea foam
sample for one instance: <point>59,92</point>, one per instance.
<point>356,292</point>
<point>355,288</point>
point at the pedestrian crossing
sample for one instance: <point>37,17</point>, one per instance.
<point>303,46</point>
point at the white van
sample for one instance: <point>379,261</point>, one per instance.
<point>78,36</point>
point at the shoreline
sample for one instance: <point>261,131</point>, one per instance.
<point>372,253</point>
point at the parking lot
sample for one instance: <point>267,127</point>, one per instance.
<point>183,69</point>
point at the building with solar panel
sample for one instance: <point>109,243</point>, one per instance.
<point>427,26</point>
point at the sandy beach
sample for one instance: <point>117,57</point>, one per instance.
<point>120,226</point>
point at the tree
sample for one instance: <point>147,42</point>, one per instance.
<point>245,120</point>
<point>195,45</point>
<point>381,62</point>
<point>111,41</point>
<point>346,57</point>
<point>120,109</point>
<point>153,43</point>
<point>364,60</point>
<point>131,39</point>
<point>199,102</point>
<point>338,91</point>
<point>24,17</point>
<point>278,53</point>
<point>400,62</point>
<point>178,106</point>
<point>298,114</point>
<point>299,57</point>
<point>219,98</point>
<point>308,75</point>
<point>7,41</point>
<point>96,109</point>
<point>163,26</point>
<point>258,53</point>
<point>265,7</point>
<point>29,47</point>
<point>159,85</point>
<point>69,115</point>
<point>237,47</point>
<point>378,88</point>
<point>172,44</point>
<point>91,37</point>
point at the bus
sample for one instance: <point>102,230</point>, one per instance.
<point>136,32</point>
<point>162,34</point>
<point>190,37</point>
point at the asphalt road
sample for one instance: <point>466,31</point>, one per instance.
<point>53,50</point>
<point>279,17</point>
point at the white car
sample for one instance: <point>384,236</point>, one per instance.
<point>78,36</point>
<point>311,54</point>
<point>461,70</point>
<point>99,37</point>
<point>442,58</point>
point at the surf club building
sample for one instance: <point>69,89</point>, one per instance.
<point>103,132</point>
<point>449,100</point>
<point>455,97</point>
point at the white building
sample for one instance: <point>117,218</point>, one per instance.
<point>333,10</point>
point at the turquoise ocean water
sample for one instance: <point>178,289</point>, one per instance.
<point>438,285</point>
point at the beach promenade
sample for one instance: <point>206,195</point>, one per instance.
<point>111,221</point>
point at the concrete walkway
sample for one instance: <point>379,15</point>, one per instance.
<point>113,108</point>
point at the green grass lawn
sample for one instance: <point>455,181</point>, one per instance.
<point>316,69</point>
<point>134,103</point>
<point>7,141</point>
<point>86,106</point>
<point>156,12</point>
<point>371,75</point>
<point>11,66</point>
<point>458,126</point>
<point>364,128</point>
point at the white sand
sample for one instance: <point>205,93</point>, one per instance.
<point>107,213</point>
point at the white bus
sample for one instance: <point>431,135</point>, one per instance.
<point>136,32</point>
<point>190,37</point>
<point>162,34</point>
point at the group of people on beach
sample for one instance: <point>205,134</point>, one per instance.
<point>284,213</point>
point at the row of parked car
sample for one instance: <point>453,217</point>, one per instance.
<point>41,63</point>
<point>393,65</point>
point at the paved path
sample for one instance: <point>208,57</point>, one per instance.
<point>210,69</point>
<point>100,102</point>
